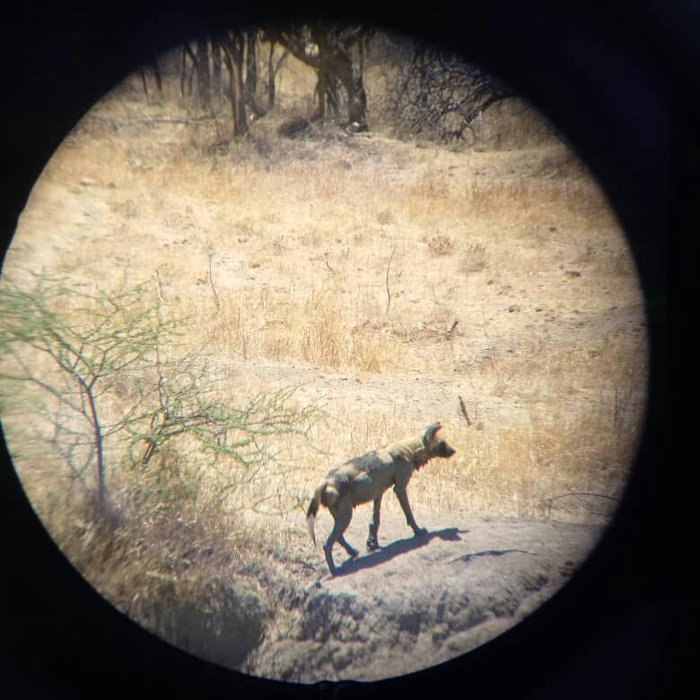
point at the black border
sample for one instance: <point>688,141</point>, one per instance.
<point>619,81</point>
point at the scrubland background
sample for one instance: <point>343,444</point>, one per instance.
<point>379,279</point>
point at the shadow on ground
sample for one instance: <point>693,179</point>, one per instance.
<point>384,554</point>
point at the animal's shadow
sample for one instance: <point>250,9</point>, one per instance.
<point>388,552</point>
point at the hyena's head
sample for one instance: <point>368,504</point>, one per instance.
<point>437,447</point>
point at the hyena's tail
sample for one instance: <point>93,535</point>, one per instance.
<point>313,509</point>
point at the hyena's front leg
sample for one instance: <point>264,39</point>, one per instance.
<point>405,506</point>
<point>372,542</point>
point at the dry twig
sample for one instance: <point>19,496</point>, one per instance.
<point>463,409</point>
<point>388,290</point>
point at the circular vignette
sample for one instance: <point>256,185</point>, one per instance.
<point>640,225</point>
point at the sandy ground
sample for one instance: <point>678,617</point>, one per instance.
<point>420,601</point>
<point>414,603</point>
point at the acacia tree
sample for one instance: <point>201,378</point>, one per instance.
<point>70,351</point>
<point>336,54</point>
<point>115,390</point>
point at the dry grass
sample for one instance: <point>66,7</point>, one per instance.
<point>383,279</point>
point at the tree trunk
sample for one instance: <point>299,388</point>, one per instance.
<point>338,65</point>
<point>348,69</point>
<point>217,83</point>
<point>251,72</point>
<point>183,71</point>
<point>233,53</point>
<point>203,75</point>
<point>324,75</point>
<point>185,80</point>
<point>271,74</point>
<point>87,390</point>
<point>157,75</point>
<point>357,97</point>
<point>155,68</point>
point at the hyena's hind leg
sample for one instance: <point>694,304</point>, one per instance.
<point>372,541</point>
<point>348,547</point>
<point>342,514</point>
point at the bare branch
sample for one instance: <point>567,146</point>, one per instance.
<point>463,409</point>
<point>386,281</point>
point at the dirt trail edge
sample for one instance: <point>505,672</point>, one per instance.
<point>414,603</point>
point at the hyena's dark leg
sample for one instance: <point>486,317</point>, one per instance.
<point>348,547</point>
<point>410,520</point>
<point>372,542</point>
<point>342,515</point>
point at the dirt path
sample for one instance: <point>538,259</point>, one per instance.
<point>418,602</point>
<point>413,604</point>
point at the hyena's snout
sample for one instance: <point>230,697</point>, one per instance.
<point>445,450</point>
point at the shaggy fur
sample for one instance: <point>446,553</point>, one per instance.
<point>365,479</point>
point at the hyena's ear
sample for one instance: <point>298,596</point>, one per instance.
<point>430,432</point>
